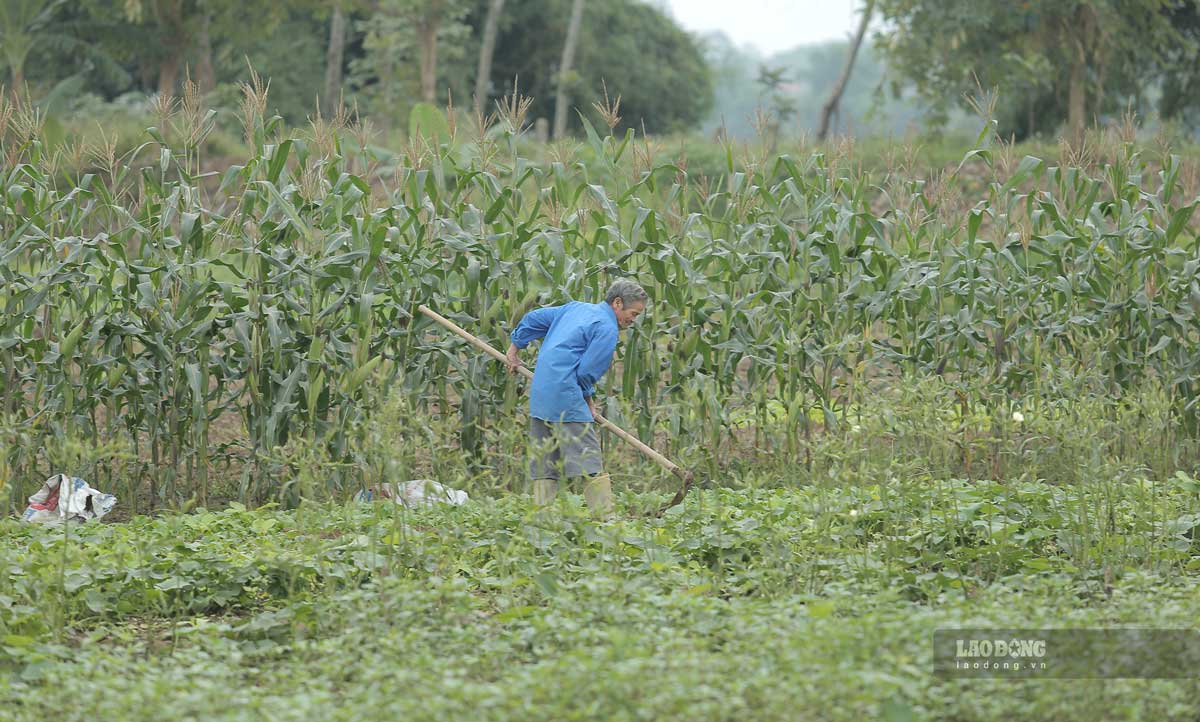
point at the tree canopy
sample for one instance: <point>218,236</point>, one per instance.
<point>628,47</point>
<point>1050,61</point>
<point>1055,64</point>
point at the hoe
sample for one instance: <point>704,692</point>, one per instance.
<point>686,476</point>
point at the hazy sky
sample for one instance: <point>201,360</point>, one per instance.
<point>770,25</point>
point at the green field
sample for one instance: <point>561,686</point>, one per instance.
<point>916,397</point>
<point>786,604</point>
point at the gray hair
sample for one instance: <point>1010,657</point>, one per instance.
<point>628,291</point>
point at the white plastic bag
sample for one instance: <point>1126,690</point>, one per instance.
<point>67,498</point>
<point>416,493</point>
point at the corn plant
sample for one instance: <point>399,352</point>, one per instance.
<point>147,301</point>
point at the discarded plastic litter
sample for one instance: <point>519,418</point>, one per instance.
<point>416,493</point>
<point>67,498</point>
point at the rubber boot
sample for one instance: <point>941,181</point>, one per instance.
<point>544,491</point>
<point>597,491</point>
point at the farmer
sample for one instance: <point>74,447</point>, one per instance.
<point>580,339</point>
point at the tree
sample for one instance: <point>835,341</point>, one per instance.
<point>486,50</point>
<point>398,33</point>
<point>23,24</point>
<point>182,27</point>
<point>174,35</point>
<point>428,17</point>
<point>334,56</point>
<point>1178,69</point>
<point>781,105</point>
<point>206,76</point>
<point>431,19</point>
<point>835,97</point>
<point>735,95</point>
<point>49,41</point>
<point>658,69</point>
<point>562,99</point>
<point>293,59</point>
<point>1093,53</point>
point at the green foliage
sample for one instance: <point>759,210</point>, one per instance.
<point>292,57</point>
<point>387,76</point>
<point>810,71</point>
<point>1036,57</point>
<point>276,291</point>
<point>429,123</point>
<point>625,45</point>
<point>806,602</point>
<point>41,44</point>
<point>1177,65</point>
<point>777,103</point>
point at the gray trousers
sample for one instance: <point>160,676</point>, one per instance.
<point>562,450</point>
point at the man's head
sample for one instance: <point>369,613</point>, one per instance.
<point>628,300</point>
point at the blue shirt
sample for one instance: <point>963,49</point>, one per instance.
<point>578,349</point>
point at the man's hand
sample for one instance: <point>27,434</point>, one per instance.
<point>591,406</point>
<point>512,359</point>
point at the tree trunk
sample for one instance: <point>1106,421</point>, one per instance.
<point>835,97</point>
<point>168,73</point>
<point>429,65</point>
<point>1078,34</point>
<point>206,78</point>
<point>387,83</point>
<point>427,35</point>
<point>483,76</point>
<point>1076,97</point>
<point>333,61</point>
<point>562,102</point>
<point>15,55</point>
<point>175,38</point>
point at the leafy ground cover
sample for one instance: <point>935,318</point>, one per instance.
<point>795,603</point>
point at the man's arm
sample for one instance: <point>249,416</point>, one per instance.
<point>596,359</point>
<point>536,324</point>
